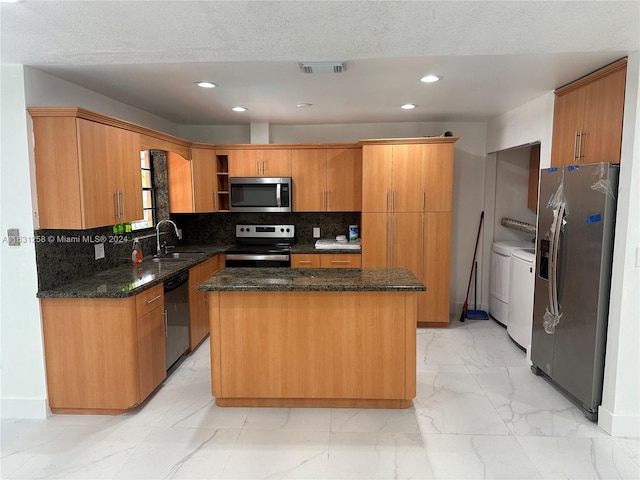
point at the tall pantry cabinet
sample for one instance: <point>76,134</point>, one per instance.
<point>406,215</point>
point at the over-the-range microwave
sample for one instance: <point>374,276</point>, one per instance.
<point>260,194</point>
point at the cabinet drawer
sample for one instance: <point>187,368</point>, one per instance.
<point>305,260</point>
<point>340,261</point>
<point>149,299</point>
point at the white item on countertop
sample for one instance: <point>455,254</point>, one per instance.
<point>341,238</point>
<point>327,244</point>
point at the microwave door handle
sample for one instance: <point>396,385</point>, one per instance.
<point>279,194</point>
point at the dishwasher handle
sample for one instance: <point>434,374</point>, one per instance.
<point>175,282</point>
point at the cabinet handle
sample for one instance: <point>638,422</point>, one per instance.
<point>422,249</point>
<point>328,199</point>
<point>215,202</point>
<point>424,199</point>
<point>257,168</point>
<point>575,147</point>
<point>117,200</point>
<point>154,299</point>
<point>304,262</point>
<point>340,262</point>
<point>394,200</point>
<point>324,205</point>
<point>262,167</point>
<point>122,203</point>
<point>581,153</point>
<point>165,323</point>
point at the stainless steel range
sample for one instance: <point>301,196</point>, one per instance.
<point>261,246</point>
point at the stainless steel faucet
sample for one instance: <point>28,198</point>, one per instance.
<point>175,227</point>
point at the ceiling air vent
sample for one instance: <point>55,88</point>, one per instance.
<point>322,67</point>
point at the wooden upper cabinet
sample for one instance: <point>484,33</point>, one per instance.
<point>192,183</point>
<point>437,177</point>
<point>406,194</point>
<point>376,177</point>
<point>87,173</point>
<point>327,180</point>
<point>587,118</point>
<point>260,163</point>
<point>203,168</point>
<point>309,173</point>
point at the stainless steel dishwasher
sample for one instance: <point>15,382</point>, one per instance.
<point>176,304</point>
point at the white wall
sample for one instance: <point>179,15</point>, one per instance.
<point>620,410</point>
<point>215,133</point>
<point>22,376</point>
<point>619,414</point>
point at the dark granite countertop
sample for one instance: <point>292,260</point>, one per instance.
<point>128,280</point>
<point>313,279</point>
<point>310,248</point>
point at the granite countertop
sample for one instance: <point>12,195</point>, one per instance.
<point>127,280</point>
<point>311,248</point>
<point>313,279</point>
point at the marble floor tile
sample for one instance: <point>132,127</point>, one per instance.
<point>530,405</point>
<point>374,420</point>
<point>379,455</point>
<point>478,457</point>
<point>449,400</point>
<point>579,458</point>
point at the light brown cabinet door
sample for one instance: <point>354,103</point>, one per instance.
<point>180,183</point>
<point>203,167</point>
<point>567,122</point>
<point>437,177</point>
<point>340,260</point>
<point>603,114</point>
<point>151,351</point>
<point>433,306</point>
<point>260,163</point>
<point>406,195</point>
<point>129,180</point>
<point>407,242</point>
<point>305,260</point>
<point>376,177</point>
<point>309,172</point>
<point>344,180</point>
<point>375,240</point>
<point>198,300</point>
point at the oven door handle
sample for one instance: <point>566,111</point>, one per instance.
<point>239,256</point>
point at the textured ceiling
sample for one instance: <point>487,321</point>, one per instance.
<point>493,56</point>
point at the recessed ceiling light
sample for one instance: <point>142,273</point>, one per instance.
<point>239,109</point>
<point>302,105</point>
<point>408,106</point>
<point>430,78</point>
<point>206,84</point>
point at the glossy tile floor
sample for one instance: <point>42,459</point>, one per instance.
<point>479,413</point>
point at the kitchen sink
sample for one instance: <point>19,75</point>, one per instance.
<point>183,255</point>
<point>167,258</point>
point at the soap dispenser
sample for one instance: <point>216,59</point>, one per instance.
<point>136,255</point>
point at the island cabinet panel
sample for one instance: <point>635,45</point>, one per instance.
<point>87,173</point>
<point>198,303</point>
<point>260,163</point>
<point>313,348</point>
<point>103,355</point>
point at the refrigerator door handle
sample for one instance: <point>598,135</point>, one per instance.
<point>554,306</point>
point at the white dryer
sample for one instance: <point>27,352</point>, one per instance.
<point>499,278</point>
<point>523,279</point>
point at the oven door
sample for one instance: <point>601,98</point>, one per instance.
<point>260,194</point>
<point>240,260</point>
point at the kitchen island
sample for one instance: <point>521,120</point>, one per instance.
<point>313,337</point>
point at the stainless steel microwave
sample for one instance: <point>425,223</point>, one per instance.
<point>260,194</point>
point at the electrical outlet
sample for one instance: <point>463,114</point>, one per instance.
<point>99,248</point>
<point>316,232</point>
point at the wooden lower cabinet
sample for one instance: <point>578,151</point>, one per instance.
<point>326,260</point>
<point>433,305</point>
<point>103,355</point>
<point>322,349</point>
<point>198,307</point>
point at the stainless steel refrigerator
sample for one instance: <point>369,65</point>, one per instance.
<point>576,219</point>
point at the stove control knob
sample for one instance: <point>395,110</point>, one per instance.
<point>288,230</point>
<point>242,229</point>
<point>282,229</point>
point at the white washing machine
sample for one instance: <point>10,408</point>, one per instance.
<point>521,297</point>
<point>499,278</point>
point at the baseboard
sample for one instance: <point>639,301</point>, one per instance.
<point>618,425</point>
<point>32,408</point>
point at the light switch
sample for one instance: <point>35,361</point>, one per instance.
<point>316,232</point>
<point>99,247</point>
